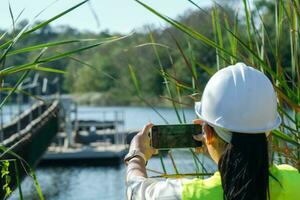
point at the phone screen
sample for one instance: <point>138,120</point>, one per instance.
<point>175,136</point>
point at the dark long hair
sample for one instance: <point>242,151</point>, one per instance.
<point>244,167</point>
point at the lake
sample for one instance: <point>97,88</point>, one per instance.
<point>94,183</point>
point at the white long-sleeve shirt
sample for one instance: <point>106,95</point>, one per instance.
<point>140,188</point>
<point>154,189</point>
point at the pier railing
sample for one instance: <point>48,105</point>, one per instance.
<point>29,122</point>
<point>21,122</point>
<point>109,121</point>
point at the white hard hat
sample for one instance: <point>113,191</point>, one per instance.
<point>239,98</point>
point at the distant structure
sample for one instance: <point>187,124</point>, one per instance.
<point>86,141</point>
<point>45,130</point>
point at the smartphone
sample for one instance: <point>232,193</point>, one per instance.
<point>175,136</point>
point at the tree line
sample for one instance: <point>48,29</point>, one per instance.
<point>101,76</point>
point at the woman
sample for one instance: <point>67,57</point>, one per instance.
<point>237,112</point>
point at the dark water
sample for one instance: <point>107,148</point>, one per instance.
<point>94,183</point>
<point>89,183</point>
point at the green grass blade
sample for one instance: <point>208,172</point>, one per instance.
<point>11,70</point>
<point>40,25</point>
<point>21,79</point>
<point>37,185</point>
<point>46,69</point>
<point>27,168</point>
<point>162,72</point>
<point>92,67</point>
<point>136,83</point>
<point>7,31</point>
<point>264,65</point>
<point>50,44</point>
<point>12,17</point>
<point>188,64</point>
<point>218,36</point>
<point>209,70</point>
<point>134,79</point>
<point>197,159</point>
<point>232,40</point>
<point>22,92</point>
<point>65,54</point>
<point>173,162</point>
<point>189,31</point>
<point>286,114</point>
<point>285,137</point>
<point>162,163</point>
<point>248,22</point>
<point>26,32</point>
<point>10,45</point>
<point>180,103</point>
<point>193,66</point>
<point>203,10</point>
<point>18,180</point>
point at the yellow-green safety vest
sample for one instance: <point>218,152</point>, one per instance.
<point>288,187</point>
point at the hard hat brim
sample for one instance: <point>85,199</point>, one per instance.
<point>276,124</point>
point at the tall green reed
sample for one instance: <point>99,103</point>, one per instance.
<point>250,41</point>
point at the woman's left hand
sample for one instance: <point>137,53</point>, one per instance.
<point>141,142</point>
<point>200,138</point>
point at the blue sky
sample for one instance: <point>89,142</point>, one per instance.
<point>114,15</point>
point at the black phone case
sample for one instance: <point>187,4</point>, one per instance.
<point>175,136</point>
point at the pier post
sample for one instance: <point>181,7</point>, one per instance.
<point>19,102</point>
<point>66,103</point>
<point>116,127</point>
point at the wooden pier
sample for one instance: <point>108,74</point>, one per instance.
<point>28,138</point>
<point>46,135</point>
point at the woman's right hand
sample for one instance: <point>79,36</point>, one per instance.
<point>141,142</point>
<point>200,138</point>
